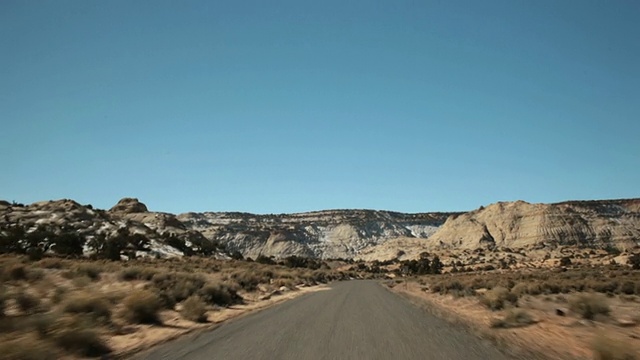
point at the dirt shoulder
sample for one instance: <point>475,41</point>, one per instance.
<point>145,337</point>
<point>549,329</point>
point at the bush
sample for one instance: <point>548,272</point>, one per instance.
<point>78,338</point>
<point>589,305</point>
<point>520,289</point>
<point>92,271</point>
<point>142,307</point>
<point>194,309</point>
<point>220,294</point>
<point>16,272</point>
<point>628,288</point>
<point>58,295</point>
<point>26,302</point>
<point>176,287</point>
<point>513,318</point>
<point>249,279</point>
<point>496,298</point>
<point>89,304</point>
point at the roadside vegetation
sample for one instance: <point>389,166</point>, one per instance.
<point>53,307</point>
<point>559,312</point>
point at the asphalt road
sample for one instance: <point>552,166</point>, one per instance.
<point>353,320</point>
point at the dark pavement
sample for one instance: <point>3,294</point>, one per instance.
<point>353,320</point>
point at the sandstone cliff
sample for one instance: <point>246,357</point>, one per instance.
<point>599,224</point>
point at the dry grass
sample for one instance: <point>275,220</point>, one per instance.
<point>548,306</point>
<point>513,318</point>
<point>589,305</point>
<point>194,309</point>
<point>28,348</point>
<point>498,297</point>
<point>88,304</point>
<point>606,348</point>
<point>79,338</point>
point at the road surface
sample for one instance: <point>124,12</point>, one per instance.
<point>353,320</point>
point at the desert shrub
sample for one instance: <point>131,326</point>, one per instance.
<point>565,261</point>
<point>27,303</point>
<point>35,274</point>
<point>78,338</point>
<point>176,287</point>
<point>58,294</point>
<point>454,287</point>
<point>628,288</point>
<point>89,304</point>
<point>137,273</point>
<point>589,305</point>
<point>549,287</point>
<point>520,289</point>
<point>534,289</point>
<point>220,294</point>
<point>27,348</point>
<point>265,260</point>
<point>90,270</point>
<point>497,298</point>
<point>16,272</point>
<point>513,318</point>
<point>142,306</point>
<point>605,286</point>
<point>248,280</point>
<point>194,309</point>
<point>605,348</point>
<point>437,288</point>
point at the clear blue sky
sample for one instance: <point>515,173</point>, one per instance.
<point>286,106</point>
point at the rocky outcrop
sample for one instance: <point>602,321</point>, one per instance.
<point>598,224</point>
<point>366,234</point>
<point>167,235</point>
<point>321,234</point>
<point>129,206</point>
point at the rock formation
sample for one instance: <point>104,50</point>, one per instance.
<point>334,234</point>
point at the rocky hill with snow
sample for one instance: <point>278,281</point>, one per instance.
<point>324,234</point>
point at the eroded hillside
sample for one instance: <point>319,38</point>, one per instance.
<point>365,234</point>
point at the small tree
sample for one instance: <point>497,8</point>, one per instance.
<point>68,243</point>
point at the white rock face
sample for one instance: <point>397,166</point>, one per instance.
<point>323,234</point>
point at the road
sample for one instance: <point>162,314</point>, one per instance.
<point>353,320</point>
